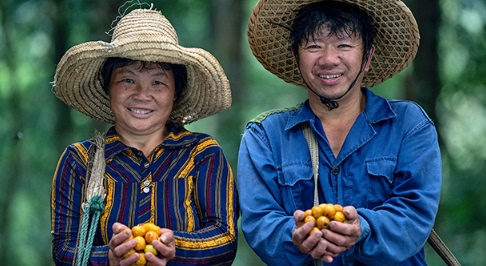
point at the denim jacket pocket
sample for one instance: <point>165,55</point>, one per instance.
<point>381,175</point>
<point>296,183</point>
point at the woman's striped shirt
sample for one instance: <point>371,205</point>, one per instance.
<point>185,184</point>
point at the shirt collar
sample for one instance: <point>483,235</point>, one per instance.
<point>377,109</point>
<point>178,137</point>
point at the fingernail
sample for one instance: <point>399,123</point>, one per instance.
<point>164,239</point>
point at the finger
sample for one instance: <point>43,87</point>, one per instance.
<point>327,259</point>
<point>338,242</point>
<point>299,216</point>
<point>118,227</point>
<point>301,233</point>
<point>165,245</point>
<point>167,236</point>
<point>120,237</point>
<point>130,260</point>
<point>350,212</point>
<point>165,251</point>
<point>155,260</point>
<point>310,242</point>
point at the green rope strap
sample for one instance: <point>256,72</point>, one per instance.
<point>95,207</point>
<point>95,195</point>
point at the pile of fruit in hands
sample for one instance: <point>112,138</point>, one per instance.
<point>144,234</point>
<point>323,214</point>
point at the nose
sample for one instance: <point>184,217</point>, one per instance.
<point>328,57</point>
<point>142,92</point>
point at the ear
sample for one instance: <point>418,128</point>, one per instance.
<point>368,61</point>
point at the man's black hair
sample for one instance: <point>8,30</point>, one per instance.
<point>112,63</point>
<point>338,17</point>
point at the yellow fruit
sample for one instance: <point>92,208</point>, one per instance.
<point>314,230</point>
<point>309,219</point>
<point>141,260</point>
<point>129,253</point>
<point>138,230</point>
<point>150,227</point>
<point>317,211</point>
<point>151,236</point>
<point>338,207</point>
<point>323,222</point>
<point>151,249</point>
<point>329,210</point>
<point>140,243</point>
<point>339,216</point>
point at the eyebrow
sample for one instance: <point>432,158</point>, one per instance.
<point>162,72</point>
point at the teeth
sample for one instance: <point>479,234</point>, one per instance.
<point>140,111</point>
<point>329,76</point>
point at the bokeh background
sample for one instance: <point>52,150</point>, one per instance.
<point>448,78</point>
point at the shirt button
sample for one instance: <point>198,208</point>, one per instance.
<point>335,170</point>
<point>146,190</point>
<point>146,183</point>
<point>146,165</point>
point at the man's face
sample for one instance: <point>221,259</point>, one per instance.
<point>330,63</point>
<point>141,98</point>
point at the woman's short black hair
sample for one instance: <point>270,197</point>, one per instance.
<point>338,17</point>
<point>112,63</point>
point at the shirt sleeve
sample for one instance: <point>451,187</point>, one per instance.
<point>398,228</point>
<point>214,243</point>
<point>66,202</point>
<point>264,219</point>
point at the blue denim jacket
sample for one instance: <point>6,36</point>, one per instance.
<point>389,169</point>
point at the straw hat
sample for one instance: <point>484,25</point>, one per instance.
<point>396,37</point>
<point>146,35</point>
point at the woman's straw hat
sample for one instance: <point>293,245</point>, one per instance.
<point>146,35</point>
<point>396,37</point>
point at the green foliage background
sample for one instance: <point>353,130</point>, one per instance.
<point>35,126</point>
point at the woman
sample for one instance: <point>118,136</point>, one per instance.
<point>147,168</point>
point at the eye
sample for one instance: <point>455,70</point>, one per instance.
<point>344,45</point>
<point>312,48</point>
<point>128,80</point>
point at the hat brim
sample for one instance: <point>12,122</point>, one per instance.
<point>78,81</point>
<point>396,37</point>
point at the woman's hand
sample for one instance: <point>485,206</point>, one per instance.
<point>119,246</point>
<point>165,245</point>
<point>121,243</point>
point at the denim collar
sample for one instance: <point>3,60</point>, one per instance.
<point>376,110</point>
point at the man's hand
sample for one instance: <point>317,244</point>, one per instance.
<point>344,235</point>
<point>326,244</point>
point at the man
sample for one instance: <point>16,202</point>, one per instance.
<point>377,157</point>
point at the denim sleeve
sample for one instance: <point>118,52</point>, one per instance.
<point>264,219</point>
<point>400,226</point>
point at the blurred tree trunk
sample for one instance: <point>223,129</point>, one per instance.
<point>63,124</point>
<point>226,26</point>
<point>423,84</point>
<point>12,163</point>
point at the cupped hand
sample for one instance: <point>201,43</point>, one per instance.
<point>165,245</point>
<point>120,244</point>
<point>344,235</point>
<point>314,244</point>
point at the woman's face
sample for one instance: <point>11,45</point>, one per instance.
<point>141,98</point>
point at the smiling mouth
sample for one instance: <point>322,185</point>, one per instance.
<point>329,76</point>
<point>140,111</point>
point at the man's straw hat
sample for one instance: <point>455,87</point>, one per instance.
<point>396,37</point>
<point>146,35</point>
